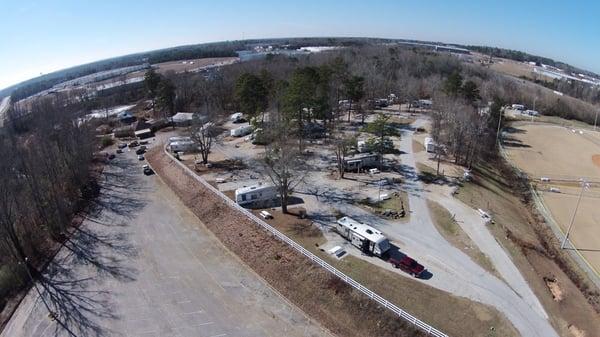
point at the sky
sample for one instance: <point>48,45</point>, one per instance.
<point>37,37</point>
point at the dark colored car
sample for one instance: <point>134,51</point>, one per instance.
<point>133,144</point>
<point>111,156</point>
<point>147,170</point>
<point>140,151</point>
<point>408,265</point>
<point>122,145</point>
<point>119,151</point>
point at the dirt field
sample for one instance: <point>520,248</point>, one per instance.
<point>561,154</point>
<point>553,151</point>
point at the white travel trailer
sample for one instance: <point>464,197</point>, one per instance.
<point>518,107</point>
<point>237,117</point>
<point>256,195</point>
<point>182,146</point>
<point>429,145</point>
<point>241,131</point>
<point>361,146</point>
<point>361,161</point>
<point>363,236</point>
<point>179,139</point>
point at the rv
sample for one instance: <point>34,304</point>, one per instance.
<point>241,131</point>
<point>361,146</point>
<point>424,103</point>
<point>179,139</point>
<point>182,146</point>
<point>518,107</point>
<point>361,161</point>
<point>429,145</point>
<point>237,117</point>
<point>256,195</point>
<point>363,236</point>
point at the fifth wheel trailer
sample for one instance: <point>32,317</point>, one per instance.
<point>363,236</point>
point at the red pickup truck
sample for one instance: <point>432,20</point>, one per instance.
<point>408,265</point>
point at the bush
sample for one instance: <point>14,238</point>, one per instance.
<point>107,141</point>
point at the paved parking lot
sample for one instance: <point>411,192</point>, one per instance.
<point>143,265</point>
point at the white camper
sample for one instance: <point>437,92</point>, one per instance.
<point>256,195</point>
<point>429,145</point>
<point>363,236</point>
<point>361,161</point>
<point>518,107</point>
<point>237,117</point>
<point>241,131</point>
<point>361,146</point>
<point>182,146</point>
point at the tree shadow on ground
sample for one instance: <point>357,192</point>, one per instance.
<point>97,253</point>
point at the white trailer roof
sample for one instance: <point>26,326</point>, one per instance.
<point>362,229</point>
<point>253,188</point>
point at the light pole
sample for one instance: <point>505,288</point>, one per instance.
<point>584,185</point>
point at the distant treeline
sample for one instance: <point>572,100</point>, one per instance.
<point>228,49</point>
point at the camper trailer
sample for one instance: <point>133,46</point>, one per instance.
<point>363,236</point>
<point>182,146</point>
<point>424,104</point>
<point>361,146</point>
<point>361,161</point>
<point>256,195</point>
<point>237,117</point>
<point>518,107</point>
<point>241,131</point>
<point>179,139</point>
<point>429,145</point>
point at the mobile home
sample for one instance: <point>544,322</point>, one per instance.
<point>259,195</point>
<point>241,131</point>
<point>363,236</point>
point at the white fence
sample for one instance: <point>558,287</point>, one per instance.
<point>382,301</point>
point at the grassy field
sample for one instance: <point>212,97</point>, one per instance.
<point>451,231</point>
<point>454,315</point>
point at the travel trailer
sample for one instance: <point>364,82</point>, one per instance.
<point>363,236</point>
<point>259,195</point>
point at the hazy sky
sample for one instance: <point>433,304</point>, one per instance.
<point>42,36</point>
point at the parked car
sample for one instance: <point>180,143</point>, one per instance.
<point>147,170</point>
<point>119,151</point>
<point>143,147</point>
<point>133,144</point>
<point>141,157</point>
<point>408,265</point>
<point>122,145</point>
<point>140,151</point>
<point>111,156</point>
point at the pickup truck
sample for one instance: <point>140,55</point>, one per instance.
<point>408,265</point>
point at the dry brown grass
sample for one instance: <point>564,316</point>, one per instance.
<point>533,247</point>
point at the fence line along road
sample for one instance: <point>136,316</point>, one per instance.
<point>356,285</point>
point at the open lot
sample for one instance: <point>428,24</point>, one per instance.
<point>144,265</point>
<point>564,155</point>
